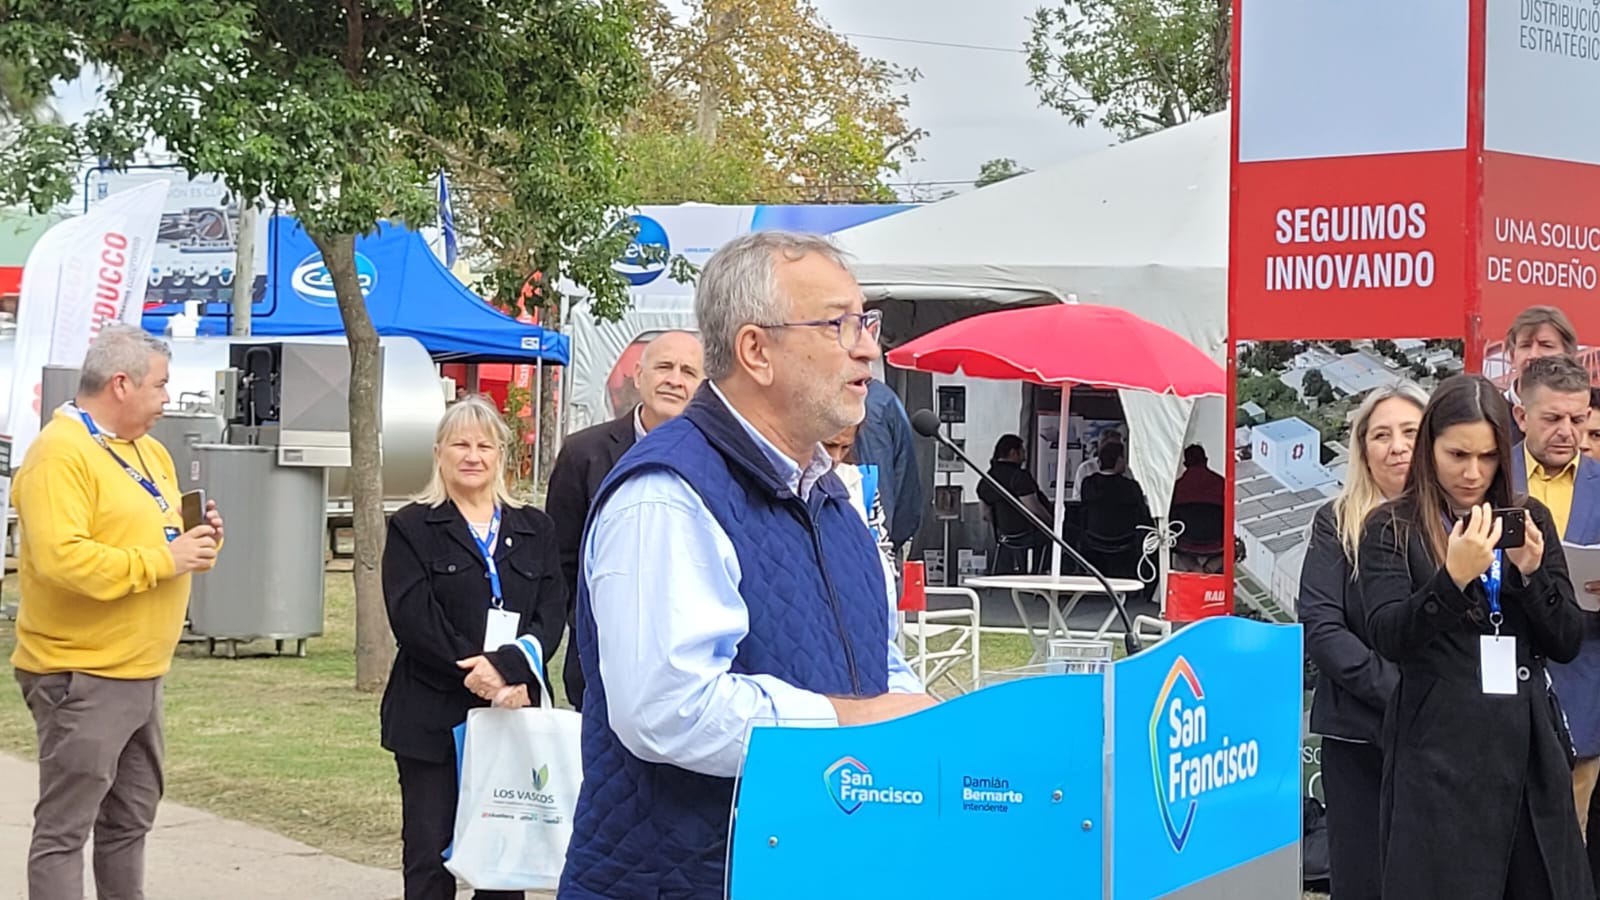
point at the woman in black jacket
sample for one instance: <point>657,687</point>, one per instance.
<point>1477,790</point>
<point>1353,681</point>
<point>470,633</point>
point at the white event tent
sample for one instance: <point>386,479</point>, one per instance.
<point>1142,226</point>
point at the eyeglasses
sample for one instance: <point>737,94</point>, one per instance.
<point>848,328</point>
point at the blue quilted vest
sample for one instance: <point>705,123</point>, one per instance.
<point>813,583</point>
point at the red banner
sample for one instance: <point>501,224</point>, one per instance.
<point>1541,241</point>
<point>1346,248</point>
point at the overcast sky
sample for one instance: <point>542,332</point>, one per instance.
<point>975,104</point>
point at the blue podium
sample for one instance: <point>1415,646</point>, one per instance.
<point>1173,774</point>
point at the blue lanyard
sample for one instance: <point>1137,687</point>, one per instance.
<point>1491,585</point>
<point>133,473</point>
<point>485,546</point>
<point>1491,582</point>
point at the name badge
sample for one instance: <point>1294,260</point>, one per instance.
<point>1498,661</point>
<point>500,630</point>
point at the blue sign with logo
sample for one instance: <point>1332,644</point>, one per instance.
<point>647,254</point>
<point>1207,738</point>
<point>1018,790</point>
<point>855,812</point>
<point>312,282</point>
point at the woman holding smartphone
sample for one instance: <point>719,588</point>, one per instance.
<point>1477,793</point>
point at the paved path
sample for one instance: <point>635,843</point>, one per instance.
<point>194,855</point>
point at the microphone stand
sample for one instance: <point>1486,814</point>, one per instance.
<point>1130,638</point>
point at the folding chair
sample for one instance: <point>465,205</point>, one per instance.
<point>918,624</point>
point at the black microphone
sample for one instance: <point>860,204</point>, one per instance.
<point>926,423</point>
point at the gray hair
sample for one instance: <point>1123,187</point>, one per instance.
<point>472,413</point>
<point>119,348</point>
<point>739,286</point>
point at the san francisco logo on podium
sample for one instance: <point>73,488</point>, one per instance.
<point>851,785</point>
<point>1190,755</point>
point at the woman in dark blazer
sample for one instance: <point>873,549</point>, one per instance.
<point>1353,681</point>
<point>459,647</point>
<point>1477,790</point>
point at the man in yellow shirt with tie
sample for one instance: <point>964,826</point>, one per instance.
<point>1553,412</point>
<point>104,574</point>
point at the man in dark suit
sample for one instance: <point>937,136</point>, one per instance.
<point>885,440</point>
<point>1553,411</point>
<point>670,371</point>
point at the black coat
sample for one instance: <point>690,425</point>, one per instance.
<point>1458,763</point>
<point>586,458</point>
<point>1354,683</point>
<point>436,589</point>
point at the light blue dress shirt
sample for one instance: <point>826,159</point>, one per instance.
<point>664,590</point>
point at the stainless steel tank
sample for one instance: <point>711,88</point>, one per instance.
<point>413,400</point>
<point>267,583</point>
<point>182,431</point>
<point>58,385</point>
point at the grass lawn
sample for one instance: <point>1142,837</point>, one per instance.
<point>286,744</point>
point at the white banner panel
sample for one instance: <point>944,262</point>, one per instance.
<point>1330,78</point>
<point>1541,79</point>
<point>83,273</point>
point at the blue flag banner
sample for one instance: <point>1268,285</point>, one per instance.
<point>447,222</point>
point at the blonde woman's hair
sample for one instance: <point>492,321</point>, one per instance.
<point>1360,495</point>
<point>471,413</point>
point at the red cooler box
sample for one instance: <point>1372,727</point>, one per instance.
<point>913,590</point>
<point>1192,596</point>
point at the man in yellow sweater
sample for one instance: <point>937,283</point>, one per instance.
<point>104,571</point>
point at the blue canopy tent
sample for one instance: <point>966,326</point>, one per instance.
<point>409,293</point>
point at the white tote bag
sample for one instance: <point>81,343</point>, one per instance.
<point>520,774</point>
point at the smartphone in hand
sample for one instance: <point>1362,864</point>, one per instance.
<point>1513,527</point>
<point>194,510</point>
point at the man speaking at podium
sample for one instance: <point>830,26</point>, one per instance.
<point>727,580</point>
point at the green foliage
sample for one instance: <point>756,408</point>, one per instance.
<point>1317,387</point>
<point>667,168</point>
<point>1281,402</point>
<point>519,460</point>
<point>761,101</point>
<point>22,98</point>
<point>1135,65</point>
<point>346,109</point>
<point>1265,357</point>
<point>1272,395</point>
<point>998,170</point>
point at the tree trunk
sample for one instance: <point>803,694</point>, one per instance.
<point>550,424</point>
<point>722,20</point>
<point>374,645</point>
<point>549,427</point>
<point>1222,56</point>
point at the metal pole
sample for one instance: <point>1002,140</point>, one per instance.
<point>1061,475</point>
<point>538,416</point>
<point>564,306</point>
<point>244,270</point>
